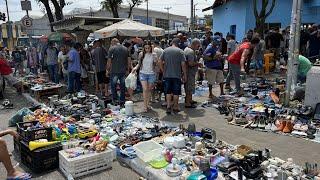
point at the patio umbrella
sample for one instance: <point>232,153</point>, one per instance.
<point>58,37</point>
<point>129,28</point>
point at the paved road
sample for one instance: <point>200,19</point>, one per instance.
<point>282,146</point>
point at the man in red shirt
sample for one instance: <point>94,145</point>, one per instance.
<point>237,62</point>
<point>6,73</point>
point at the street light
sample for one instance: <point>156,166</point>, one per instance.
<point>168,8</point>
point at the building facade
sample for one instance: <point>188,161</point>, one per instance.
<point>155,18</point>
<point>237,17</point>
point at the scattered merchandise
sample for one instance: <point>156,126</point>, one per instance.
<point>87,138</point>
<point>260,109</point>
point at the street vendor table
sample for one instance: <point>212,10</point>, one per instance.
<point>47,91</point>
<point>148,172</point>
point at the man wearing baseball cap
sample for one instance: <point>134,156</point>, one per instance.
<point>214,65</point>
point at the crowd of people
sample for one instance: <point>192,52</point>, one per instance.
<point>164,66</point>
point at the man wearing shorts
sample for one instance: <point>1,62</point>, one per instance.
<point>100,56</point>
<point>173,66</point>
<point>192,68</point>
<point>214,66</point>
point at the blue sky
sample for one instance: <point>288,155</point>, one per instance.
<point>181,7</point>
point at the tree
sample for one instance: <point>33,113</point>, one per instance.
<point>58,6</point>
<point>263,14</point>
<point>132,4</point>
<point>113,6</point>
<point>48,10</point>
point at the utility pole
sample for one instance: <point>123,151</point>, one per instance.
<point>147,12</point>
<point>168,9</point>
<point>194,17</point>
<point>7,10</point>
<point>191,19</point>
<point>293,48</point>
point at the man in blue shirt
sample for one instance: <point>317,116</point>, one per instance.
<point>214,65</point>
<point>74,71</point>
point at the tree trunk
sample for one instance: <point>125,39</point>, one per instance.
<point>49,12</point>
<point>57,10</point>
<point>115,12</point>
<point>260,26</point>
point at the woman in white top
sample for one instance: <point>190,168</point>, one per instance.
<point>62,56</point>
<point>147,62</point>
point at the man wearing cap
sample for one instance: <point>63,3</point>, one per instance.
<point>214,65</point>
<point>173,66</point>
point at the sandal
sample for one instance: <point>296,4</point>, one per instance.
<point>191,106</point>
<point>168,111</point>
<point>23,176</point>
<point>176,110</point>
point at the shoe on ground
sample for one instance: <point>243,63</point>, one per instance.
<point>288,128</point>
<point>281,125</point>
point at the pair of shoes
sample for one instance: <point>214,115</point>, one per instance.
<point>285,126</point>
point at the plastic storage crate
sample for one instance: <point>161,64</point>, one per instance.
<point>85,164</point>
<point>33,134</point>
<point>42,159</point>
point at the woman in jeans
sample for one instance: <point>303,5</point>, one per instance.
<point>147,62</point>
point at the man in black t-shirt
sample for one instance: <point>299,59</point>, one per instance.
<point>274,42</point>
<point>17,59</point>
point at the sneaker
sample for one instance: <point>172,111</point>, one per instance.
<point>268,126</point>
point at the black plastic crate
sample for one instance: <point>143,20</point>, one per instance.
<point>17,147</point>
<point>33,134</point>
<point>42,159</point>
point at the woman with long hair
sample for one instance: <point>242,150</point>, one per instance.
<point>146,67</point>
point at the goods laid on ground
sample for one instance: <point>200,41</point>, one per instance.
<point>261,109</point>
<point>40,86</point>
<point>80,137</point>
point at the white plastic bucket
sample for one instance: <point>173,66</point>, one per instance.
<point>129,108</point>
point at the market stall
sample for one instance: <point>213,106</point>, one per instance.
<point>80,136</point>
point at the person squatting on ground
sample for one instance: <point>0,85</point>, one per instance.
<point>146,65</point>
<point>192,68</point>
<point>173,66</point>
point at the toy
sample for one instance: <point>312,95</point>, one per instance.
<point>87,134</point>
<point>101,145</point>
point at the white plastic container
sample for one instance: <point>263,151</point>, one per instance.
<point>148,150</point>
<point>129,108</point>
<point>85,164</point>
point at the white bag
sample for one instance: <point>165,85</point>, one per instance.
<point>84,73</point>
<point>131,81</point>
